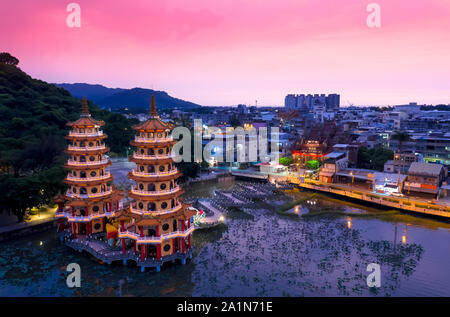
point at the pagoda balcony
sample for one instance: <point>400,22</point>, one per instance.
<point>105,177</point>
<point>156,192</point>
<point>155,212</point>
<point>152,140</point>
<point>153,157</point>
<point>70,218</point>
<point>91,195</point>
<point>77,163</point>
<point>156,240</point>
<point>99,133</point>
<point>159,174</point>
<point>87,148</point>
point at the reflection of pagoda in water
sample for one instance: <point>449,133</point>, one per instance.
<point>155,228</point>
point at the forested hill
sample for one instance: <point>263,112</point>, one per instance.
<point>32,128</point>
<point>135,100</point>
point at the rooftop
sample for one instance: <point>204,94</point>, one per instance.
<point>427,169</point>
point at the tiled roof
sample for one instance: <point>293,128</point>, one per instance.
<point>154,123</point>
<point>85,117</point>
<point>427,169</point>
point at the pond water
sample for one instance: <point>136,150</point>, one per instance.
<point>257,252</point>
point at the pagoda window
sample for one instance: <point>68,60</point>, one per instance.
<point>141,168</point>
<point>99,157</point>
<point>164,205</point>
<point>172,202</point>
<point>174,225</point>
<point>93,174</point>
<point>95,209</point>
<point>151,169</point>
<point>160,151</point>
<point>141,186</point>
<point>151,206</point>
<point>94,190</point>
<point>168,167</point>
<point>74,173</point>
<point>83,191</point>
<point>74,158</point>
<point>165,227</point>
<point>159,135</point>
<point>98,143</point>
<point>81,130</point>
<point>162,168</point>
<point>103,188</point>
<point>74,190</point>
<point>82,144</point>
<point>92,158</point>
<point>82,158</point>
<point>171,186</point>
<point>151,187</point>
<point>151,152</point>
<point>142,151</point>
<point>102,172</point>
<point>163,186</point>
<point>167,150</point>
<point>167,248</point>
<point>141,205</point>
<point>91,144</point>
<point>83,174</point>
<point>151,233</point>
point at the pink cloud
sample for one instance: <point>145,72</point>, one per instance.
<point>233,51</point>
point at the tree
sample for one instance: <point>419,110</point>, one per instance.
<point>313,164</point>
<point>8,59</point>
<point>286,161</point>
<point>374,158</point>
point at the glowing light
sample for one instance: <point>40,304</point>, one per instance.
<point>41,243</point>
<point>221,218</point>
<point>404,239</point>
<point>349,223</point>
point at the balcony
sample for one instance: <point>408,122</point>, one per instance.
<point>136,191</point>
<point>86,148</point>
<point>77,163</point>
<point>91,195</point>
<point>152,140</point>
<point>136,211</point>
<point>156,240</point>
<point>138,173</point>
<point>99,133</point>
<point>153,157</point>
<point>88,179</point>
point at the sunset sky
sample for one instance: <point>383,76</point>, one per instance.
<point>225,52</point>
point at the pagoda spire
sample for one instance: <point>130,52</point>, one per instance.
<point>153,111</point>
<point>84,107</point>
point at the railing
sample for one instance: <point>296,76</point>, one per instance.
<point>99,133</point>
<point>155,212</point>
<point>153,157</point>
<point>77,163</point>
<point>171,172</point>
<point>95,178</point>
<point>156,192</point>
<point>156,240</point>
<point>101,194</point>
<point>152,140</point>
<point>70,218</point>
<point>86,148</point>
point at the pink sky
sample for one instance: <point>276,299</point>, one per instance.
<point>225,52</point>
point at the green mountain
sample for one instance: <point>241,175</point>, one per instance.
<point>136,100</point>
<point>34,116</point>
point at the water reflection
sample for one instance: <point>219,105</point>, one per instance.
<point>257,252</point>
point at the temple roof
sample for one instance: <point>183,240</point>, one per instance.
<point>85,119</point>
<point>154,123</point>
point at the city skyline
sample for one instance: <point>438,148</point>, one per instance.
<point>233,53</point>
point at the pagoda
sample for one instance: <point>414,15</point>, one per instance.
<point>90,199</point>
<point>157,222</point>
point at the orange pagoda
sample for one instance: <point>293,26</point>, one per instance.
<point>157,222</point>
<point>90,200</point>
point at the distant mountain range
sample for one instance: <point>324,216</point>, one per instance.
<point>136,100</point>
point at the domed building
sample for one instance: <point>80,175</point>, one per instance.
<point>157,222</point>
